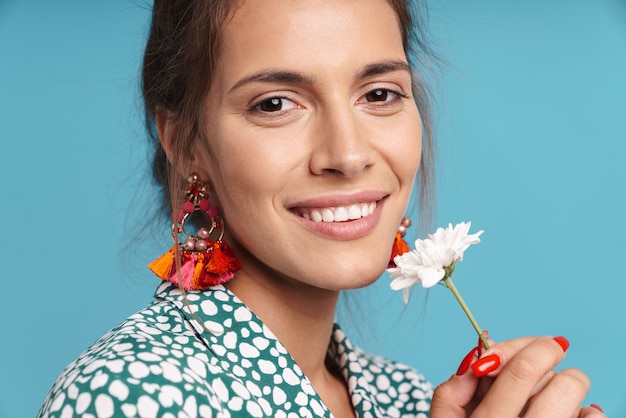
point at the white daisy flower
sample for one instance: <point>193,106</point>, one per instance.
<point>432,258</point>
<point>432,261</point>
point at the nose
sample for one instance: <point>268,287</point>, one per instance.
<point>341,146</point>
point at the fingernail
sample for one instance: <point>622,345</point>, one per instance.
<point>480,342</point>
<point>486,365</point>
<point>467,360</point>
<point>593,405</point>
<point>562,341</point>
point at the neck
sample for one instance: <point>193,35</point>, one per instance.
<point>301,316</point>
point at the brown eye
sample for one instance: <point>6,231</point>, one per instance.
<point>273,107</point>
<point>275,104</point>
<point>379,95</point>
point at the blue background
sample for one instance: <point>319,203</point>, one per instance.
<point>531,143</point>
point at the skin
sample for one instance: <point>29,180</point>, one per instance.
<point>296,122</point>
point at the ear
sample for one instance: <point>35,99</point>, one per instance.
<point>180,157</point>
<point>166,130</point>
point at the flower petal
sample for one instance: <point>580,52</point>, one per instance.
<point>431,276</point>
<point>402,283</point>
<point>405,295</point>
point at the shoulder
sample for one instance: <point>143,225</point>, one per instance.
<point>150,364</point>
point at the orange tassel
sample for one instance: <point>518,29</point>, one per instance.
<point>163,265</point>
<point>401,244</point>
<point>198,272</point>
<point>399,247</point>
<point>223,260</point>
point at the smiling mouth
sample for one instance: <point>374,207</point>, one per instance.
<point>338,213</point>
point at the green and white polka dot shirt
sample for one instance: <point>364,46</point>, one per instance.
<point>161,362</point>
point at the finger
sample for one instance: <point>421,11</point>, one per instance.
<point>561,397</point>
<point>505,351</point>
<point>591,411</point>
<point>538,387</point>
<point>522,370</point>
<point>451,397</point>
<point>542,383</point>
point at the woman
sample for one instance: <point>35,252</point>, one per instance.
<point>295,129</point>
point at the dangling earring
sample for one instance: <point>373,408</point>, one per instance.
<point>399,244</point>
<point>203,263</point>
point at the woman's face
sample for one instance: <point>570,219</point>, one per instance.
<point>313,139</point>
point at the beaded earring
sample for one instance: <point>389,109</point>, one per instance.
<point>203,262</point>
<point>399,244</point>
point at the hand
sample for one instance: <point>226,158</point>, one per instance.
<point>517,378</point>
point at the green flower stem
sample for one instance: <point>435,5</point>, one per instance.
<point>448,283</point>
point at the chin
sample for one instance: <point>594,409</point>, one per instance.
<point>348,276</point>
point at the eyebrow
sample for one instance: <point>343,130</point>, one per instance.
<point>382,67</point>
<point>287,77</point>
<point>292,77</point>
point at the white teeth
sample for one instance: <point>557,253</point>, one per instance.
<point>328,215</point>
<point>354,212</point>
<point>316,216</point>
<point>340,213</point>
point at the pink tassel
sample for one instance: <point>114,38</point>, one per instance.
<point>185,275</point>
<point>224,277</point>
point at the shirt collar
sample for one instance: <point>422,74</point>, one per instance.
<point>245,346</point>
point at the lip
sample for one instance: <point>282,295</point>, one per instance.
<point>339,200</point>
<point>346,230</point>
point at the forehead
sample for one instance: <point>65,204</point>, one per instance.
<point>309,35</point>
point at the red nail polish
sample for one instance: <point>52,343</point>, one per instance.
<point>593,405</point>
<point>562,341</point>
<point>467,360</point>
<point>486,365</point>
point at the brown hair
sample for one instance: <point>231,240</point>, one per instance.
<point>179,64</point>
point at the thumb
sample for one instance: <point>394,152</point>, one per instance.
<point>453,396</point>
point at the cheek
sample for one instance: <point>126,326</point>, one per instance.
<point>246,169</point>
<point>403,150</point>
